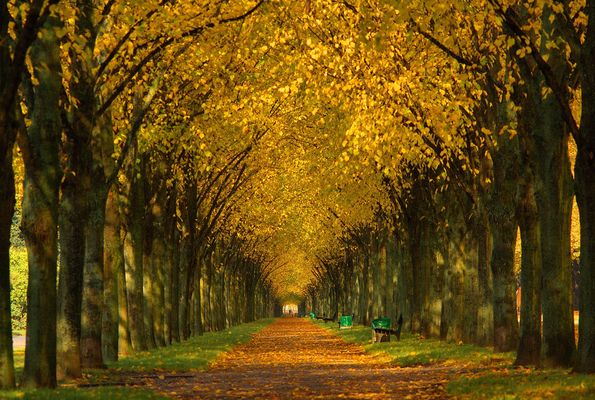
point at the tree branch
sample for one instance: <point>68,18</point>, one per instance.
<point>460,59</point>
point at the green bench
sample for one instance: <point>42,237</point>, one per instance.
<point>346,322</point>
<point>381,329</point>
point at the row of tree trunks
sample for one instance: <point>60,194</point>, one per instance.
<point>439,279</point>
<point>101,303</point>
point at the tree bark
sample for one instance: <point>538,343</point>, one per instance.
<point>585,195</point>
<point>462,297</point>
<point>150,262</point>
<point>92,305</point>
<point>529,349</point>
<point>554,201</point>
<point>506,333</point>
<point>7,203</point>
<point>183,300</point>
<point>159,256</point>
<point>124,338</point>
<point>133,254</point>
<point>502,206</point>
<point>174,299</point>
<point>72,260</point>
<point>40,210</point>
<point>113,263</point>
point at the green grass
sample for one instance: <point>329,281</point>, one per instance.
<point>194,354</point>
<point>411,350</point>
<point>524,383</point>
<point>487,375</point>
<point>19,361</point>
<point>106,392</point>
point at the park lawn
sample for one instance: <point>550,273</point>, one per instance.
<point>481,373</point>
<point>194,354</point>
<point>523,383</point>
<point>413,351</point>
<point>95,393</point>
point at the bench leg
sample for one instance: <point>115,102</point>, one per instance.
<point>380,337</point>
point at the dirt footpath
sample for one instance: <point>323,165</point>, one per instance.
<point>295,359</point>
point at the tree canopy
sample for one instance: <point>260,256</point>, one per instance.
<point>366,157</point>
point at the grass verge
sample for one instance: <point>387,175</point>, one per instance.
<point>194,354</point>
<point>477,372</point>
<point>523,383</point>
<point>413,351</point>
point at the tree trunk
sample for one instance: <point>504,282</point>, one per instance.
<point>505,314</point>
<point>92,305</point>
<point>462,300</point>
<point>166,272</point>
<point>485,312</point>
<point>250,300</point>
<point>159,255</point>
<point>502,205</point>
<point>585,183</point>
<point>183,299</point>
<point>529,350</point>
<point>585,176</point>
<point>365,288</point>
<point>417,266</point>
<point>150,263</point>
<point>199,328</point>
<point>124,339</point>
<point>133,254</point>
<point>40,211</point>
<point>113,263</point>
<point>506,334</point>
<point>175,288</point>
<point>7,203</point>
<point>207,281</point>
<point>158,288</point>
<point>198,304</point>
<point>431,306</point>
<point>554,200</point>
<point>70,285</point>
